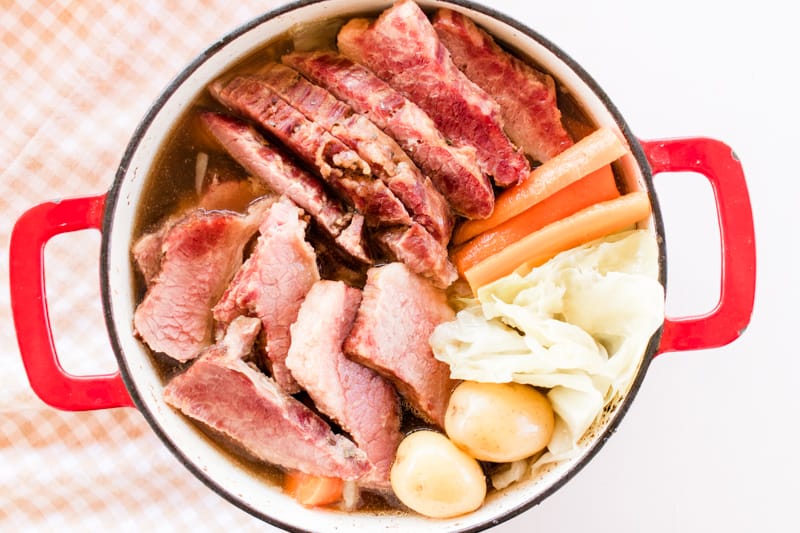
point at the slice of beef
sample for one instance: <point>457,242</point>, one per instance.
<point>332,265</point>
<point>223,190</point>
<point>398,313</point>
<point>386,159</point>
<point>402,48</point>
<point>279,172</point>
<point>225,195</point>
<point>362,402</point>
<point>272,284</point>
<point>527,97</point>
<point>147,252</point>
<point>199,255</point>
<point>340,166</point>
<point>352,240</point>
<point>420,252</point>
<point>239,402</point>
<point>453,169</point>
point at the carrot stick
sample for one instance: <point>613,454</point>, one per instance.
<point>585,225</point>
<point>599,186</point>
<point>587,155</point>
<point>311,490</point>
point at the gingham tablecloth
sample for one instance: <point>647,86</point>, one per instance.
<point>77,78</point>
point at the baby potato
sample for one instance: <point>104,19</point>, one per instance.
<point>435,478</point>
<point>499,422</point>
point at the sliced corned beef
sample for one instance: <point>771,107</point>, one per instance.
<point>420,252</point>
<point>339,165</point>
<point>453,169</point>
<point>362,402</point>
<point>352,240</point>
<point>236,400</point>
<point>527,97</point>
<point>199,255</point>
<point>273,283</point>
<point>402,48</point>
<point>386,159</point>
<point>332,264</point>
<point>234,195</point>
<point>399,311</point>
<point>280,173</point>
<point>147,251</point>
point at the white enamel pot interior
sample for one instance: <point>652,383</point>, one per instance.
<point>221,473</point>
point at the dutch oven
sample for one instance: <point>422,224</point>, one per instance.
<point>137,384</point>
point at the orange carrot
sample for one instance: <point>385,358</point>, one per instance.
<point>597,187</point>
<point>585,225</point>
<point>587,155</point>
<point>311,490</point>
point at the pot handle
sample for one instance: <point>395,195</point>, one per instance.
<point>47,377</point>
<point>718,163</point>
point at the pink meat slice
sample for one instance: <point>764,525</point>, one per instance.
<point>199,254</point>
<point>147,252</point>
<point>386,159</point>
<point>527,97</point>
<point>272,284</point>
<point>356,397</point>
<point>453,169</point>
<point>336,163</point>
<point>402,48</point>
<point>419,251</point>
<point>398,313</point>
<point>236,400</point>
<point>231,195</point>
<point>282,175</point>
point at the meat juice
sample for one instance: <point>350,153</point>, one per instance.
<point>171,188</point>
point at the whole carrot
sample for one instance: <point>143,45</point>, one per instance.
<point>587,155</point>
<point>599,186</point>
<point>585,225</point>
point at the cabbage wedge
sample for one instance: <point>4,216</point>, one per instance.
<point>577,326</point>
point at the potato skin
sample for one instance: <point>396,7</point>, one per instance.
<point>432,476</point>
<point>499,422</point>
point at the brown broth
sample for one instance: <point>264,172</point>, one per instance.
<point>170,189</point>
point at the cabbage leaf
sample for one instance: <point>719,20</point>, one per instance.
<point>577,325</point>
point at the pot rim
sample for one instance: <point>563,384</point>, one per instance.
<point>113,199</point>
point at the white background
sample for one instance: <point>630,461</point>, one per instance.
<point>711,441</point>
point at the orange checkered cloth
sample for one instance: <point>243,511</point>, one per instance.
<point>77,78</point>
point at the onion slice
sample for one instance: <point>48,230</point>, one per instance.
<point>200,168</point>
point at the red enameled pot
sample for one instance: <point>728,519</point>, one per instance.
<point>137,383</point>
